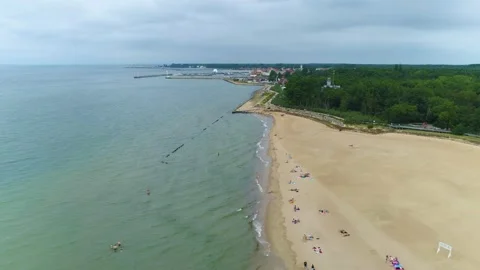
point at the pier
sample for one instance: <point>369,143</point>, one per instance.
<point>150,76</point>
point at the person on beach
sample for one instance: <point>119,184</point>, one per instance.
<point>313,267</point>
<point>307,237</point>
<point>305,265</point>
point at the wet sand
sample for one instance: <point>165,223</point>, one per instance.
<point>394,194</point>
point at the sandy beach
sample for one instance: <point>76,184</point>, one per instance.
<point>393,194</point>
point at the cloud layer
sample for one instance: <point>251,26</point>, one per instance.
<point>161,31</point>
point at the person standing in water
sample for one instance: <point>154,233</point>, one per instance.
<point>148,192</point>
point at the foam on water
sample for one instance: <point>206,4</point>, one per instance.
<point>261,179</point>
<point>258,184</point>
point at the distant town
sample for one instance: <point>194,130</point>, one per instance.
<point>256,74</point>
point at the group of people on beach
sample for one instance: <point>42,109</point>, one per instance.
<point>344,233</point>
<point>305,265</point>
<point>394,262</point>
<point>306,237</point>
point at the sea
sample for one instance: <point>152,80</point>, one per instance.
<point>81,145</point>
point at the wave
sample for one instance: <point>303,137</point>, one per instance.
<point>258,184</point>
<point>257,218</point>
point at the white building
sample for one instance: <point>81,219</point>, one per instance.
<point>330,84</point>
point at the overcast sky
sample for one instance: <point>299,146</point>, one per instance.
<point>166,31</point>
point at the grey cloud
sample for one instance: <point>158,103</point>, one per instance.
<point>373,31</point>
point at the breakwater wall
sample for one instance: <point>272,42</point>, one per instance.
<point>150,76</point>
<point>253,99</point>
<point>194,78</point>
<point>244,83</point>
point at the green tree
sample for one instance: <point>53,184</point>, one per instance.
<point>444,111</point>
<point>402,113</point>
<point>445,96</point>
<point>273,76</point>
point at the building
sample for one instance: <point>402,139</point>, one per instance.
<point>330,84</point>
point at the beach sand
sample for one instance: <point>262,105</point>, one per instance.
<point>395,194</point>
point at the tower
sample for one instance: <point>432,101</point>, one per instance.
<point>329,82</point>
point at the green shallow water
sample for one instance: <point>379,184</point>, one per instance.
<point>80,145</point>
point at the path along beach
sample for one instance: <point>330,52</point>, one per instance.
<point>390,194</point>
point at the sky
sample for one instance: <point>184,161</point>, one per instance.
<point>239,31</point>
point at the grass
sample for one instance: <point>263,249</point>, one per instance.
<point>474,140</point>
<point>266,97</point>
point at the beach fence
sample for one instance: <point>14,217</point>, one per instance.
<point>325,118</point>
<point>419,127</point>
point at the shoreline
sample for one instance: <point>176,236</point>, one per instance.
<point>275,220</point>
<point>357,208</point>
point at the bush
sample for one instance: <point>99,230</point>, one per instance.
<point>460,129</point>
<point>277,88</point>
<point>370,126</point>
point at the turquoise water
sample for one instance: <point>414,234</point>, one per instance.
<point>80,145</point>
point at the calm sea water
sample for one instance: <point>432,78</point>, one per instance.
<point>80,145</point>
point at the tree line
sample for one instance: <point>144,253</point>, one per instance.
<point>446,96</point>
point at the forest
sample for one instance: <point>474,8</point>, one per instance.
<point>447,97</point>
